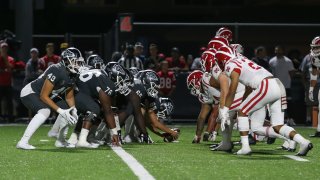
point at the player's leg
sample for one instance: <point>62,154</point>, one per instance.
<point>91,110</point>
<point>317,133</point>
<point>33,102</point>
<point>212,124</point>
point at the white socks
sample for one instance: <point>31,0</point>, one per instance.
<point>83,135</point>
<point>245,142</point>
<point>56,125</point>
<point>35,123</point>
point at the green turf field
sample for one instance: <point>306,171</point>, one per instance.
<point>181,160</point>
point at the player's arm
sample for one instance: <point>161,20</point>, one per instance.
<point>234,76</point>
<point>105,102</point>
<point>313,81</point>
<point>205,110</point>
<point>45,94</point>
<point>156,124</point>
<point>224,88</point>
<point>70,97</point>
<point>138,117</point>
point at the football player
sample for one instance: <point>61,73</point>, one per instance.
<point>315,63</point>
<point>41,94</point>
<point>262,89</point>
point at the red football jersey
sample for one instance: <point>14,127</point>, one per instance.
<point>5,73</point>
<point>50,60</point>
<point>167,81</point>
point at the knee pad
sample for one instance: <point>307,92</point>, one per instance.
<point>243,123</point>
<point>92,117</point>
<point>285,131</point>
<point>44,112</point>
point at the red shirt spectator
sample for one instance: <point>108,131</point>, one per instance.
<point>176,61</point>
<point>6,66</point>
<point>167,80</point>
<point>50,57</point>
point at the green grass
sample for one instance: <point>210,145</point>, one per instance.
<point>181,160</point>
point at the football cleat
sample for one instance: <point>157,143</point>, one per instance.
<point>61,144</point>
<point>316,134</point>
<point>244,151</point>
<point>86,145</point>
<point>25,146</point>
<point>212,136</point>
<point>214,145</point>
<point>304,149</point>
<point>205,136</point>
<point>223,147</point>
<point>196,139</point>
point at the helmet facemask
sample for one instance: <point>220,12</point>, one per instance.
<point>152,89</point>
<point>122,86</point>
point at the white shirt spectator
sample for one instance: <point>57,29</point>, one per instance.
<point>280,69</point>
<point>196,65</point>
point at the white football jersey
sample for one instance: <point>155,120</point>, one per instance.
<point>211,93</point>
<point>251,74</point>
<point>216,71</point>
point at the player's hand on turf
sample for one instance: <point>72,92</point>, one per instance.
<point>225,119</point>
<point>115,140</point>
<point>196,139</point>
<point>311,94</point>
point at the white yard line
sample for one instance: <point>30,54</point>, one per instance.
<point>296,158</point>
<point>133,164</point>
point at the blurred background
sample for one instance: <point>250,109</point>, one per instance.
<point>108,26</point>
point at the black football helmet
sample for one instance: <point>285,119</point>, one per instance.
<point>134,71</point>
<point>151,82</point>
<point>165,109</point>
<point>72,60</point>
<point>121,77</point>
<point>96,62</point>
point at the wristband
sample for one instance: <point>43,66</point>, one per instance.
<point>59,110</point>
<point>114,131</point>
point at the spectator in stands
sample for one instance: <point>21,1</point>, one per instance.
<point>189,60</point>
<point>196,65</point>
<point>153,61</point>
<point>305,68</point>
<point>6,67</point>
<point>167,80</point>
<point>34,67</point>
<point>138,51</point>
<point>129,59</point>
<point>50,57</point>
<point>282,68</point>
<point>295,57</point>
<point>261,58</point>
<point>177,62</point>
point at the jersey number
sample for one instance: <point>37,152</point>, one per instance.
<point>51,77</point>
<point>165,83</point>
<point>87,76</point>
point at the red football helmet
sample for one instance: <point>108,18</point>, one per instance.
<point>223,55</point>
<point>237,48</point>
<point>224,32</point>
<point>207,60</point>
<point>315,51</point>
<point>217,42</point>
<point>194,82</point>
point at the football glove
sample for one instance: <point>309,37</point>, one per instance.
<point>66,114</point>
<point>225,119</point>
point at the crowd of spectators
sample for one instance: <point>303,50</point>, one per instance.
<point>136,55</point>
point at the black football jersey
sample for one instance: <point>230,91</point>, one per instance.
<point>146,100</point>
<point>58,76</point>
<point>94,80</point>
